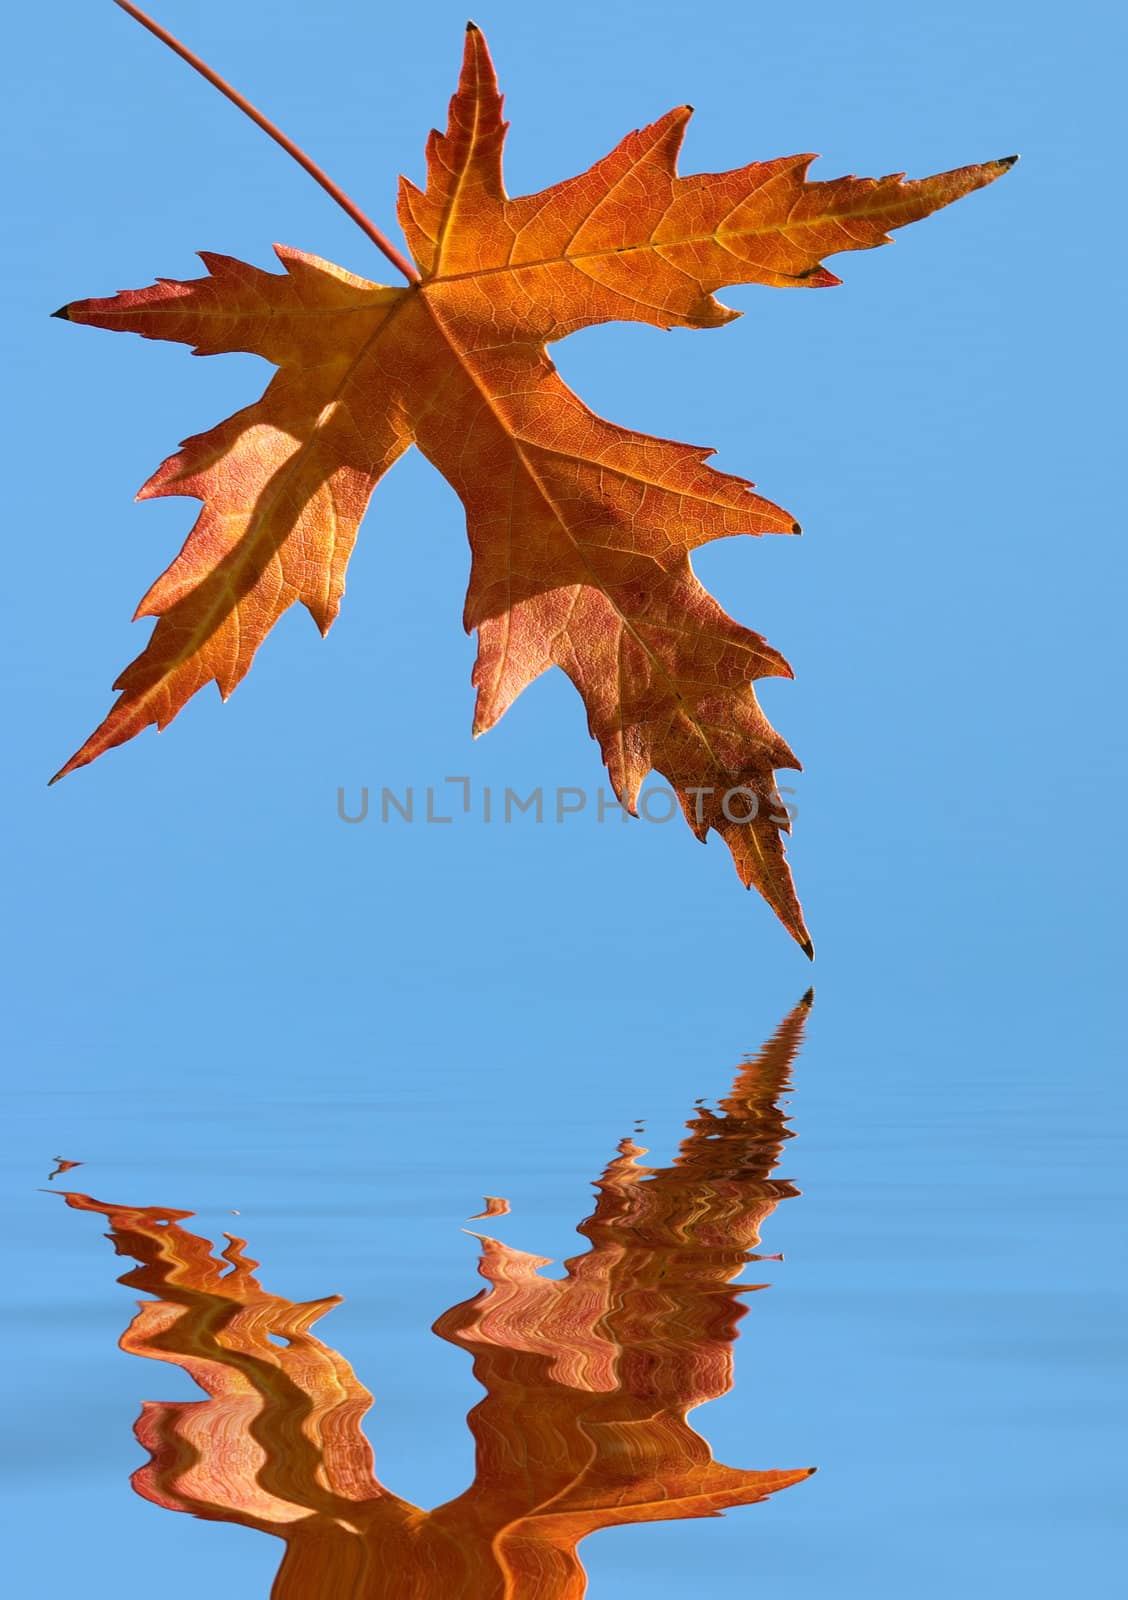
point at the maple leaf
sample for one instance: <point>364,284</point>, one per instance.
<point>588,1379</point>
<point>581,531</point>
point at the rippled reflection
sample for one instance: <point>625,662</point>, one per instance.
<point>588,1379</point>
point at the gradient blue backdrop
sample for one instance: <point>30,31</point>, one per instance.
<point>222,997</point>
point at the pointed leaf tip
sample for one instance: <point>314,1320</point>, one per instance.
<point>472,27</point>
<point>795,528</point>
<point>808,949</point>
<point>64,312</point>
<point>808,999</point>
<point>1006,161</point>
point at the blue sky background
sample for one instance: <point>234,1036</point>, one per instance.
<point>222,997</point>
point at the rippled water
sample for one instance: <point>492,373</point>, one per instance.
<point>939,1340</point>
<point>588,1378</point>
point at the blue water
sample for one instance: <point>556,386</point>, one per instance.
<point>941,1339</point>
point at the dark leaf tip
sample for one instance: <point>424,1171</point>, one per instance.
<point>64,312</point>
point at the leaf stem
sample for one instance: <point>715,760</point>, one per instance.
<point>396,257</point>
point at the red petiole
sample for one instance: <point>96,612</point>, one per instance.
<point>396,257</point>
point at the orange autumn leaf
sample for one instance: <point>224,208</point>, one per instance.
<point>588,1379</point>
<point>581,531</point>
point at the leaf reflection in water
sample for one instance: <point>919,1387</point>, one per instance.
<point>588,1379</point>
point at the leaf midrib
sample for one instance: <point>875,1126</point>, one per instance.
<point>462,358</point>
